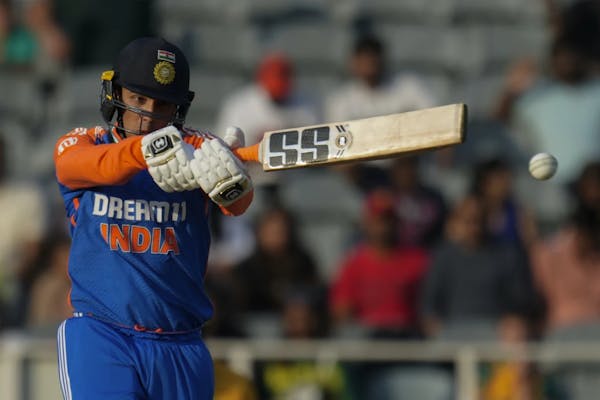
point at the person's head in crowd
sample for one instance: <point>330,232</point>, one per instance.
<point>3,156</point>
<point>59,248</point>
<point>580,26</point>
<point>368,59</point>
<point>404,172</point>
<point>276,232</point>
<point>276,76</point>
<point>568,64</point>
<point>226,321</point>
<point>301,318</point>
<point>466,223</point>
<point>380,220</point>
<point>5,17</point>
<point>587,186</point>
<point>586,216</point>
<point>492,180</point>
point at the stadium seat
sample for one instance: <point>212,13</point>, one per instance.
<point>16,140</point>
<point>83,94</point>
<point>311,46</point>
<point>266,11</point>
<point>262,325</point>
<point>578,380</point>
<point>316,86</point>
<point>431,48</point>
<point>513,11</point>
<point>23,103</point>
<point>327,209</point>
<point>232,48</point>
<point>505,44</point>
<point>407,10</point>
<point>211,87</point>
<point>421,382</point>
<point>190,11</point>
<point>480,92</point>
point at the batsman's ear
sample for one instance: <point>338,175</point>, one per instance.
<point>107,105</point>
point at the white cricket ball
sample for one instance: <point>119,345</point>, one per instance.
<point>543,166</point>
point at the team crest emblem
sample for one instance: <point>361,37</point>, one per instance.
<point>164,72</point>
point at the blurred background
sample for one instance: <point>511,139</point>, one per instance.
<point>452,275</point>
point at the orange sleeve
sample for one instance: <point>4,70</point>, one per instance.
<point>80,163</point>
<point>194,140</point>
<point>240,206</point>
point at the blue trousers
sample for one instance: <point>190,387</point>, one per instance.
<point>97,360</point>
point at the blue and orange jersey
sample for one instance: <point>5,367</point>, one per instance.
<point>138,254</point>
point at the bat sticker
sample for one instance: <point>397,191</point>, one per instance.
<point>293,147</point>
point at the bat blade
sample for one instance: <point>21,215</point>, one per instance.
<point>362,139</point>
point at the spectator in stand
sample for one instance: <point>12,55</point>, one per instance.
<point>49,304</point>
<point>377,284</point>
<point>95,33</point>
<point>55,45</point>
<point>421,209</point>
<point>278,264</point>
<point>475,287</point>
<point>304,313</point>
<point>566,267</point>
<point>23,229</point>
<point>567,264</point>
<point>269,103</point>
<point>558,112</point>
<point>302,318</point>
<point>230,385</point>
<point>17,43</point>
<point>507,221</point>
<point>372,91</point>
<point>377,288</point>
<point>30,36</point>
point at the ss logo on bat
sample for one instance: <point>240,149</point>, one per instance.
<point>288,148</point>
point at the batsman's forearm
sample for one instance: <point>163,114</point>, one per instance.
<point>87,165</point>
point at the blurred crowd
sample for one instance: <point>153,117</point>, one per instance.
<point>450,245</point>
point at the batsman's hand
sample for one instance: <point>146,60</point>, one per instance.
<point>220,173</point>
<point>168,158</point>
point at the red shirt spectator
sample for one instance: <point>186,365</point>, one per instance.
<point>381,289</point>
<point>378,283</point>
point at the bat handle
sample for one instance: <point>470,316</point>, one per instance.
<point>249,153</point>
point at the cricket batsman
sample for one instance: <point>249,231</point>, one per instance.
<point>137,194</point>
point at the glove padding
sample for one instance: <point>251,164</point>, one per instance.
<point>168,158</point>
<point>220,173</point>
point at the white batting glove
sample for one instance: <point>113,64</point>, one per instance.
<point>219,172</point>
<point>168,158</point>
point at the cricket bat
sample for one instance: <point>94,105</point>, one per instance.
<point>359,140</point>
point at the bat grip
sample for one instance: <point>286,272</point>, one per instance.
<point>249,153</point>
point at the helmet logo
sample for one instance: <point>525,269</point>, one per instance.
<point>164,72</point>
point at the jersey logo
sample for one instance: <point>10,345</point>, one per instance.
<point>68,142</point>
<point>78,132</point>
<point>139,239</point>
